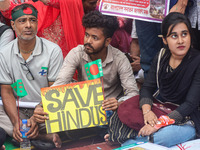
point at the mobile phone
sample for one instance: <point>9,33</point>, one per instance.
<point>129,57</point>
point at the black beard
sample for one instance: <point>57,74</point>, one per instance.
<point>95,51</point>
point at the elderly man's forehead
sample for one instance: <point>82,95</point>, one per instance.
<point>27,17</point>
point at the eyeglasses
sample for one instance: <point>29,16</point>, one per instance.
<point>29,75</point>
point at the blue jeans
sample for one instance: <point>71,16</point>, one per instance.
<point>150,43</point>
<point>168,136</point>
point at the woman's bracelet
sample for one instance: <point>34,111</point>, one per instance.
<point>147,112</point>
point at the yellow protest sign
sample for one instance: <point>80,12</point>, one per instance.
<point>74,106</point>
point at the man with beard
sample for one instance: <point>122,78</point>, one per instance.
<point>117,73</point>
<point>118,79</point>
<point>36,62</point>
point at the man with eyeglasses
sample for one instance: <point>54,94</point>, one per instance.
<point>36,61</point>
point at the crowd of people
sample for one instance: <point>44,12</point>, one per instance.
<point>142,63</point>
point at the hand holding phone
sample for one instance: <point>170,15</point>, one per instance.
<point>129,57</point>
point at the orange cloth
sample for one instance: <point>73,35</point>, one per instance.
<point>164,121</point>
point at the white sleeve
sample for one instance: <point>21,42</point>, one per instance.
<point>134,33</point>
<point>5,77</point>
<point>6,37</point>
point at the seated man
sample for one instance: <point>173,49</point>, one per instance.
<point>36,61</point>
<point>117,72</point>
<point>119,82</point>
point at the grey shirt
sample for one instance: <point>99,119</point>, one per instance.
<point>6,37</point>
<point>117,72</point>
<point>44,64</point>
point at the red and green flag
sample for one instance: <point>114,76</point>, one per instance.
<point>94,69</point>
<point>18,87</point>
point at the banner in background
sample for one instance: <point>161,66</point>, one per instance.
<point>148,10</point>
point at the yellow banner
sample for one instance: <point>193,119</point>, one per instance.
<point>74,106</point>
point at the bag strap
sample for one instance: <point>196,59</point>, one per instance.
<point>161,53</point>
<point>3,28</point>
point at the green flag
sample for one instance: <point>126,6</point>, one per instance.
<point>94,69</point>
<point>18,87</point>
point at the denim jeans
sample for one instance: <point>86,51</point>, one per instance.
<point>168,136</point>
<point>150,43</point>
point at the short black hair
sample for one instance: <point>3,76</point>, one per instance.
<point>95,19</point>
<point>23,6</point>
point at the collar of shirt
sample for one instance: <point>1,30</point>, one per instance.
<point>37,50</point>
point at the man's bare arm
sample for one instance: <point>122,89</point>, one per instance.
<point>180,6</point>
<point>9,104</point>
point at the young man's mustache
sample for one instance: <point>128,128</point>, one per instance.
<point>88,44</point>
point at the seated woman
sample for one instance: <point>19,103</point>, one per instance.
<point>177,76</point>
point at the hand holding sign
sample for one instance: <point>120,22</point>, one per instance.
<point>73,106</point>
<point>39,115</point>
<point>110,104</point>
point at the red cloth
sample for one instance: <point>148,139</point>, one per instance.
<point>71,14</point>
<point>121,40</point>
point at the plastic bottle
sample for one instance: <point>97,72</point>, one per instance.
<point>25,144</point>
